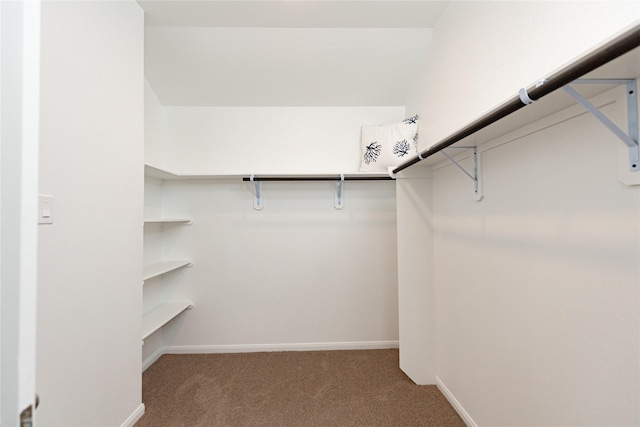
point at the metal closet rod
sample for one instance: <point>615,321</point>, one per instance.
<point>602,55</point>
<point>318,178</point>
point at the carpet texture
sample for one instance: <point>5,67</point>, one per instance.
<point>317,388</point>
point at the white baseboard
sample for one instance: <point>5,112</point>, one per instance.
<point>456,405</point>
<point>133,418</point>
<point>254,348</point>
<point>152,359</point>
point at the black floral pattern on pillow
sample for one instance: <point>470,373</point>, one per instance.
<point>401,148</point>
<point>411,120</point>
<point>372,152</point>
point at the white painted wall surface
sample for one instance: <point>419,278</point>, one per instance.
<point>482,52</point>
<point>152,127</point>
<point>416,287</point>
<point>281,67</point>
<point>278,140</point>
<point>298,274</point>
<point>90,287</point>
<point>19,122</point>
<point>537,284</point>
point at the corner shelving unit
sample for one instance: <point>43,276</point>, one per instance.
<point>158,316</point>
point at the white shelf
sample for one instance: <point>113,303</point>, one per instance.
<point>186,221</point>
<point>154,172</point>
<point>158,173</point>
<point>162,267</point>
<point>161,315</point>
<point>623,67</point>
<point>317,176</point>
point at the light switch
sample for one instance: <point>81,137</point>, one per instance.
<point>45,209</point>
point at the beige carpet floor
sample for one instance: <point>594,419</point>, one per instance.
<point>289,389</point>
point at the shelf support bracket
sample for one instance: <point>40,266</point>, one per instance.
<point>476,183</point>
<point>630,139</point>
<point>339,202</point>
<point>257,198</point>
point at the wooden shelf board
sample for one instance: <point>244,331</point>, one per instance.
<point>161,267</point>
<point>161,315</point>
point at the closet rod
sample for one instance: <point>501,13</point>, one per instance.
<point>602,55</point>
<point>318,178</point>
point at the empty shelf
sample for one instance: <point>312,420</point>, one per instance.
<point>322,177</point>
<point>154,172</point>
<point>162,267</point>
<point>167,220</point>
<point>161,315</point>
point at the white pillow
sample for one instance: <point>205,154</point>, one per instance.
<point>388,145</point>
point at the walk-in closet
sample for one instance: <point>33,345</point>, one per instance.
<point>458,180</point>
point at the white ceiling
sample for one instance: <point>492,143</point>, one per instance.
<point>285,53</point>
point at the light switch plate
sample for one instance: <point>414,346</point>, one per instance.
<point>45,209</point>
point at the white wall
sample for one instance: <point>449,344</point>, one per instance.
<point>298,274</point>
<point>482,52</point>
<point>279,67</point>
<point>19,122</point>
<point>278,140</point>
<point>416,287</point>
<point>152,127</point>
<point>536,285</point>
<point>90,287</point>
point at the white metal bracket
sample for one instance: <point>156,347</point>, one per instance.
<point>630,139</point>
<point>339,202</point>
<point>477,194</point>
<point>257,197</point>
